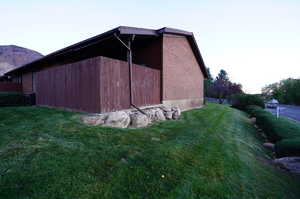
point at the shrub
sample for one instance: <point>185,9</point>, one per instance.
<point>241,101</point>
<point>16,99</point>
<point>288,147</point>
<point>275,128</point>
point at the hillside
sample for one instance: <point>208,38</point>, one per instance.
<point>12,56</point>
<point>211,153</point>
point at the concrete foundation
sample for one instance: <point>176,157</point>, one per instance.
<point>184,104</point>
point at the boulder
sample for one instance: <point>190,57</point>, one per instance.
<point>166,109</point>
<point>155,114</point>
<point>259,129</point>
<point>168,115</point>
<point>292,164</point>
<point>159,115</point>
<point>269,146</point>
<point>155,139</point>
<point>94,119</point>
<point>150,113</point>
<point>176,113</point>
<point>119,119</point>
<point>139,120</point>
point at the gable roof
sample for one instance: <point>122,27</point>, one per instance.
<point>121,30</point>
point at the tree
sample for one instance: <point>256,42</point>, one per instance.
<point>235,88</point>
<point>268,90</point>
<point>207,83</point>
<point>222,87</point>
<point>222,76</point>
<point>286,91</point>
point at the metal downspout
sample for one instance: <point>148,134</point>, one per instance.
<point>129,60</point>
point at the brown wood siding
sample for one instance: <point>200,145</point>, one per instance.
<point>10,86</point>
<point>146,86</point>
<point>74,86</point>
<point>97,84</point>
<point>27,82</point>
<point>115,85</point>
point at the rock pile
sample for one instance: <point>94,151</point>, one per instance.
<point>291,164</point>
<point>133,118</point>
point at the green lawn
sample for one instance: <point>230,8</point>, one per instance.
<point>211,153</point>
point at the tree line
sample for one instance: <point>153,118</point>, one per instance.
<point>286,91</point>
<point>220,87</point>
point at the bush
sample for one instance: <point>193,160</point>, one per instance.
<point>16,99</point>
<point>288,147</point>
<point>275,128</point>
<point>241,101</point>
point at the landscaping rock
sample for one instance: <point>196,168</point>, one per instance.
<point>155,139</point>
<point>168,115</point>
<point>269,146</point>
<point>253,120</point>
<point>94,119</point>
<point>118,119</point>
<point>123,160</point>
<point>150,113</point>
<point>122,119</point>
<point>292,164</point>
<point>159,115</point>
<point>165,109</point>
<point>139,120</point>
<point>176,113</point>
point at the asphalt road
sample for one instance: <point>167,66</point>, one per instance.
<point>291,112</point>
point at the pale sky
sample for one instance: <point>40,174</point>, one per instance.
<point>257,42</point>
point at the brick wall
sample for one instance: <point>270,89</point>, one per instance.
<point>182,76</point>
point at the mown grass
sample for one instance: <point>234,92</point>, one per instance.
<point>211,153</point>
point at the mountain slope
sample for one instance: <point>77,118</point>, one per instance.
<point>12,56</point>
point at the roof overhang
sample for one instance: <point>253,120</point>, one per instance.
<point>121,31</point>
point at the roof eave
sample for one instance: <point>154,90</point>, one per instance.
<point>199,56</point>
<point>174,31</point>
<point>125,30</point>
<point>122,30</point>
<point>105,34</point>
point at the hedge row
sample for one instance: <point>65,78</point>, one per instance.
<point>283,132</point>
<point>16,99</point>
<point>288,147</point>
<point>242,101</point>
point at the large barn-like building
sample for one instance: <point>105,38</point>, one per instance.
<point>123,68</point>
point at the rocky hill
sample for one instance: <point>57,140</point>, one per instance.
<point>12,56</point>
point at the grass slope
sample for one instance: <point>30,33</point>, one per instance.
<point>210,153</point>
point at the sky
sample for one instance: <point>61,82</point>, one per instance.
<point>257,42</point>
